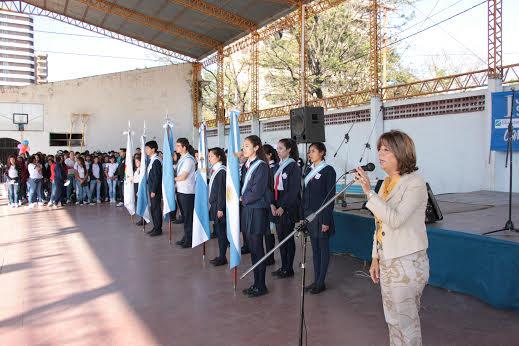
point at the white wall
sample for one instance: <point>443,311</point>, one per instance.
<point>112,100</point>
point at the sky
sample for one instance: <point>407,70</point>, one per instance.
<point>459,44</point>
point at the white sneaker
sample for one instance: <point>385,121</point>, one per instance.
<point>77,203</point>
<point>31,205</point>
<point>98,201</point>
<point>41,204</point>
<point>120,204</point>
<point>112,201</point>
<point>50,204</point>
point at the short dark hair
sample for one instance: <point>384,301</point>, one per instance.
<point>152,145</point>
<point>402,146</point>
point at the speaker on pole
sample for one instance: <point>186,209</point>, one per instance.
<point>307,124</point>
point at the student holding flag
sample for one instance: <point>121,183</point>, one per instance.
<point>154,184</point>
<point>255,198</point>
<point>287,202</point>
<point>319,186</point>
<point>185,181</point>
<point>217,205</point>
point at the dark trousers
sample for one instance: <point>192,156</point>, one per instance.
<point>243,231</point>
<point>221,231</point>
<point>256,253</point>
<point>287,250</point>
<point>156,212</point>
<point>120,190</point>
<point>187,206</point>
<point>321,253</point>
<point>270,240</point>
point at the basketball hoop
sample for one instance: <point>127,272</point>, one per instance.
<point>20,119</point>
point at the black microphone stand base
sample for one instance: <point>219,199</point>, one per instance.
<point>304,234</point>
<point>509,226</point>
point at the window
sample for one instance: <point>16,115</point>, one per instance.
<point>63,139</point>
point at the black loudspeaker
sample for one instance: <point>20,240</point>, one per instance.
<point>432,211</point>
<point>307,124</point>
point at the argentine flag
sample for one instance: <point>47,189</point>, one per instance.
<point>168,176</point>
<point>201,230</point>
<point>129,190</point>
<point>233,191</point>
<point>143,208</point>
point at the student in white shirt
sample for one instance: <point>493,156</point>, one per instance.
<point>185,181</point>
<point>35,179</point>
<point>70,162</point>
<point>13,179</point>
<point>111,178</point>
<point>81,181</point>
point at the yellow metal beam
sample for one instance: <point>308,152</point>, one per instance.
<point>220,107</point>
<point>373,49</point>
<point>218,13</point>
<point>195,89</point>
<point>151,22</point>
<point>255,76</point>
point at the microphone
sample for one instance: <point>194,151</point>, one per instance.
<point>369,167</point>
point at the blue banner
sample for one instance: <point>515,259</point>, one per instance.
<point>501,119</point>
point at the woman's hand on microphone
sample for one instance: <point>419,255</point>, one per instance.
<point>363,179</point>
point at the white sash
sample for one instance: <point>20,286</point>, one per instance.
<point>282,166</point>
<point>314,172</point>
<point>219,168</point>
<point>182,160</point>
<point>251,169</point>
<point>153,158</point>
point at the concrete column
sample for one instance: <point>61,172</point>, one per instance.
<point>377,124</point>
<point>489,182</point>
<point>221,135</point>
<point>255,127</point>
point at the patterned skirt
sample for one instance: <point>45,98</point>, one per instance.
<point>402,281</point>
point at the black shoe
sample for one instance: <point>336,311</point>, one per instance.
<point>185,245</point>
<point>276,272</point>
<point>214,260</point>
<point>317,289</point>
<point>155,234</point>
<point>247,291</point>
<point>256,292</point>
<point>244,251</point>
<point>309,287</point>
<point>285,274</point>
<point>151,231</point>
<point>220,262</point>
<point>180,242</point>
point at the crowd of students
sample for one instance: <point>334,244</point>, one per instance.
<point>67,178</point>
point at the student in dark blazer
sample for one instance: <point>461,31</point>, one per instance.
<point>154,183</point>
<point>217,204</point>
<point>319,186</point>
<point>286,203</point>
<point>270,240</point>
<point>255,198</point>
<point>245,248</point>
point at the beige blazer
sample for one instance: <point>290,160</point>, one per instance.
<point>403,217</point>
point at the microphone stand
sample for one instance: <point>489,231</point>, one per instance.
<point>509,225</point>
<point>345,140</point>
<point>300,229</point>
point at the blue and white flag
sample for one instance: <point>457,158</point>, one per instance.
<point>201,230</point>
<point>168,175</point>
<point>233,191</point>
<point>129,188</point>
<point>143,208</point>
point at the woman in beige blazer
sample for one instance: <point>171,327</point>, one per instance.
<point>399,254</point>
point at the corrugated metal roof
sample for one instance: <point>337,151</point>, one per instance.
<point>194,28</point>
